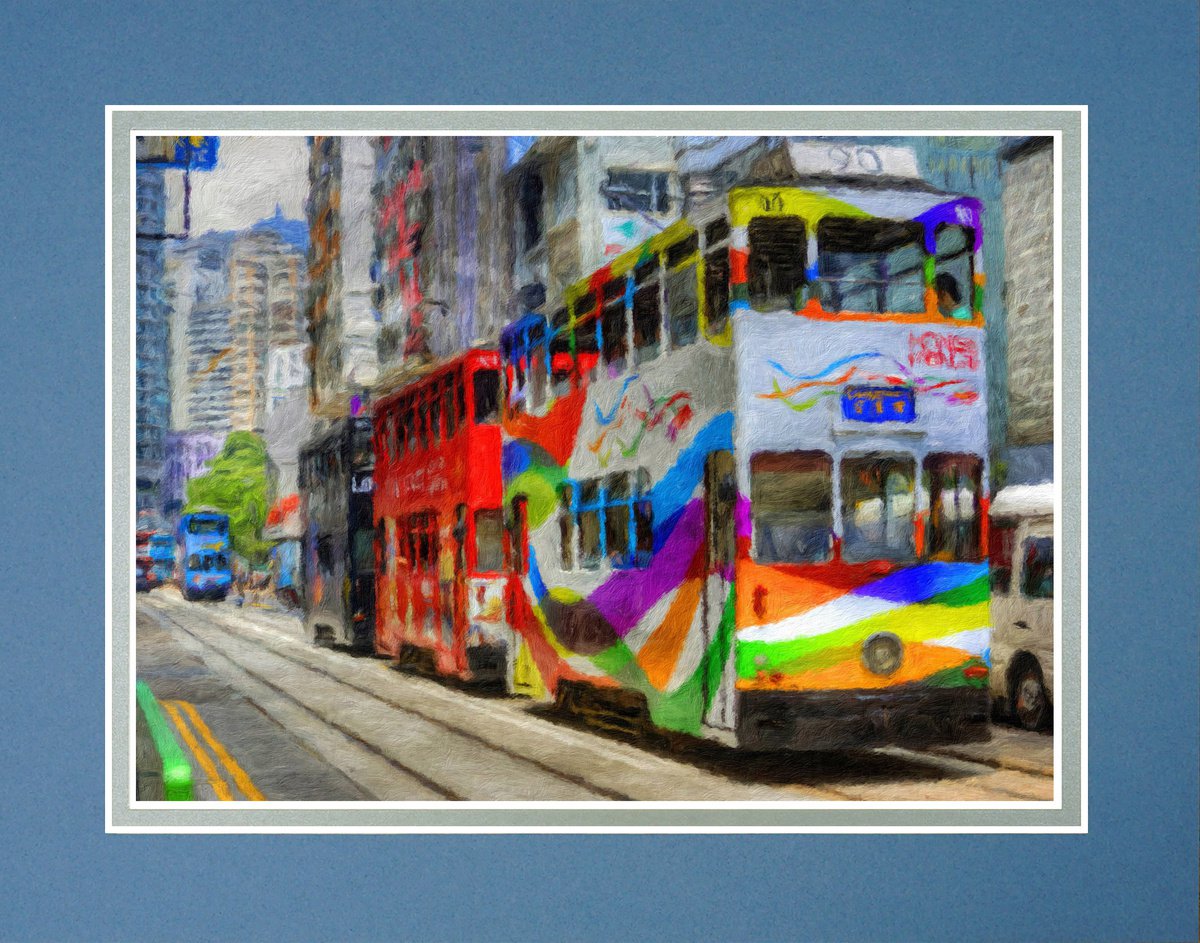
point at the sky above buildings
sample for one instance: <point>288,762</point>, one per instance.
<point>254,175</point>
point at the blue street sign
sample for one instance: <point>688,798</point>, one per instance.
<point>196,153</point>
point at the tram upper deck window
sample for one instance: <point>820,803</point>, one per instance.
<point>647,315</point>
<point>778,249</point>
<point>791,500</point>
<point>682,303</point>
<point>613,328</point>
<point>871,265</point>
<point>487,396</point>
<point>953,259</point>
<point>561,361</point>
<point>716,275</point>
<point>877,508</point>
<point>954,485</point>
<point>448,408</point>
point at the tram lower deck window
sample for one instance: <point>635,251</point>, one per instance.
<point>878,504</point>
<point>791,498</point>
<point>489,541</point>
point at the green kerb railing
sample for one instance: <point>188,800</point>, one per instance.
<point>176,771</point>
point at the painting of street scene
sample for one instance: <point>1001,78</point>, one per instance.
<point>594,468</point>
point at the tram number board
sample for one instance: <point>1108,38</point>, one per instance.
<point>879,404</point>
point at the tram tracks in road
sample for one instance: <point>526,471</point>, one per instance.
<point>258,677</point>
<point>919,775</point>
<point>552,741</point>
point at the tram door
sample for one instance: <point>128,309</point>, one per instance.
<point>526,679</point>
<point>720,504</point>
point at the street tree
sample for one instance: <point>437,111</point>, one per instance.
<point>237,485</point>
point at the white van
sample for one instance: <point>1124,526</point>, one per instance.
<point>1022,575</point>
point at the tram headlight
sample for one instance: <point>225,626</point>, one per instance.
<point>882,653</point>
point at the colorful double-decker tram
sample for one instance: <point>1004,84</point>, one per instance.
<point>441,532</point>
<point>752,459</point>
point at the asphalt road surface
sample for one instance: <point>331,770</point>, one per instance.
<point>266,716</point>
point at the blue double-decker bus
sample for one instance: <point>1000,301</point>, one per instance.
<point>162,552</point>
<point>204,556</point>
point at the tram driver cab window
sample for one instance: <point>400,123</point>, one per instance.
<point>953,482</point>
<point>878,503</point>
<point>791,501</point>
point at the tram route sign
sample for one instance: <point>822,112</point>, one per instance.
<point>879,404</point>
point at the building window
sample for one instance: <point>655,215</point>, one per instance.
<point>616,517</point>
<point>877,508</point>
<point>778,251</point>
<point>791,500</point>
<point>587,346</point>
<point>433,397</point>
<point>529,198</point>
<point>871,265</point>
<point>638,191</point>
<point>953,485</point>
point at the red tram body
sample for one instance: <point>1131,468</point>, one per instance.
<point>441,540</point>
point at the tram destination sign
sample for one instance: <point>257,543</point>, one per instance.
<point>879,404</point>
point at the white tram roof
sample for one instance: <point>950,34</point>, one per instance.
<point>1024,501</point>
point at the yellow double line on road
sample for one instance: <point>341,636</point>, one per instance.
<point>220,787</point>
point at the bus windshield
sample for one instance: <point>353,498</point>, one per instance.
<point>206,525</point>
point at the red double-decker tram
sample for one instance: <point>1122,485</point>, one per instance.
<point>440,525</point>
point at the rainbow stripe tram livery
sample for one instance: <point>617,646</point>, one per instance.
<point>745,471</point>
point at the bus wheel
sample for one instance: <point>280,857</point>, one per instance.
<point>1028,700</point>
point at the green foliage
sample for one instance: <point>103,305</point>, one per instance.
<point>237,485</point>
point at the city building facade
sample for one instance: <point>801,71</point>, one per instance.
<point>442,264</point>
<point>340,318</point>
<point>1028,173</point>
<point>152,381</point>
<point>577,202</point>
<point>238,300</point>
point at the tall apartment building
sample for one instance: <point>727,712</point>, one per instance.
<point>341,321</point>
<point>238,300</point>
<point>1028,170</point>
<point>152,381</point>
<point>442,264</point>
